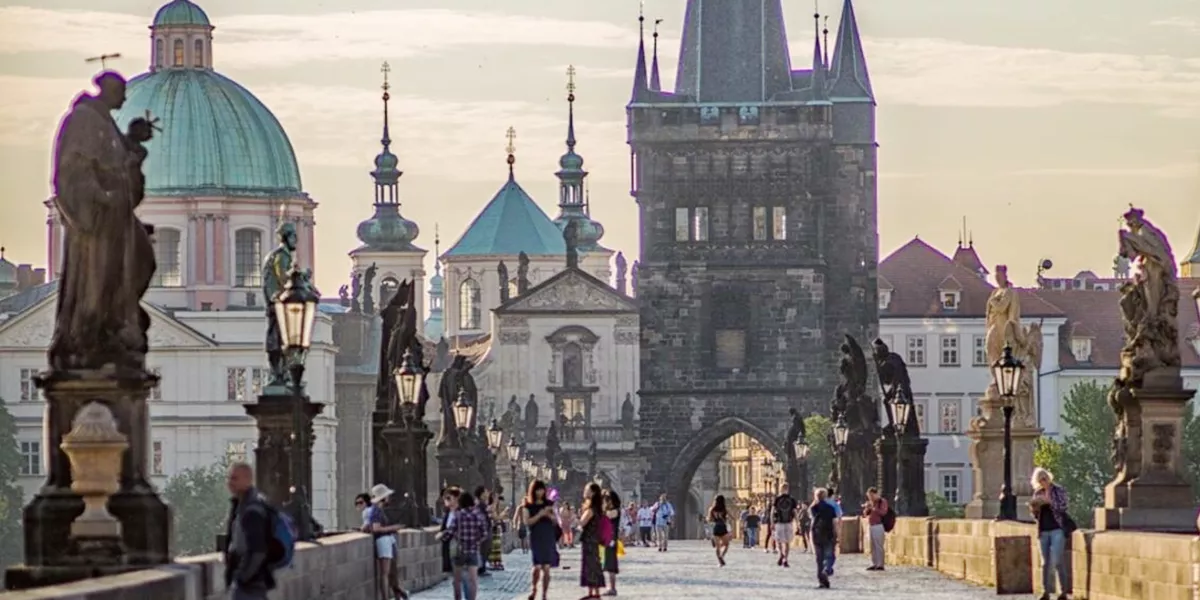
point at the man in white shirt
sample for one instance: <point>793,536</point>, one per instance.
<point>645,523</point>
<point>664,515</point>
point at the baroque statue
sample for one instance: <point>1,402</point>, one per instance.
<point>797,430</point>
<point>275,273</point>
<point>355,291</point>
<point>622,272</point>
<point>502,275</point>
<point>851,397</point>
<point>1149,302</point>
<point>1003,327</point>
<point>453,379</point>
<point>368,302</point>
<point>344,296</point>
<point>895,384</point>
<point>633,278</point>
<point>571,240</point>
<point>522,273</point>
<point>399,334</point>
<point>108,256</point>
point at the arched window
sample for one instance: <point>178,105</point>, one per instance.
<point>178,53</point>
<point>468,305</point>
<point>166,254</point>
<point>248,257</point>
<point>198,53</point>
<point>572,366</point>
<point>160,53</point>
<point>387,289</point>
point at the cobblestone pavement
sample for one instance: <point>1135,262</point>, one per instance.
<point>689,571</point>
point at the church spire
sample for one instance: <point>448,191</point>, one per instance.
<point>849,65</point>
<point>733,51</point>
<point>387,230</point>
<point>819,85</point>
<point>640,86</point>
<point>572,195</point>
<point>386,173</point>
<point>511,149</point>
<point>655,80</point>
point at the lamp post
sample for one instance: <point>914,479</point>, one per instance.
<point>514,457</point>
<point>841,433</point>
<point>1007,373</point>
<point>800,451</point>
<point>902,407</point>
<point>295,313</point>
<point>462,412</point>
<point>406,436</point>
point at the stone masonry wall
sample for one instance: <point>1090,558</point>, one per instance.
<point>340,567</point>
<point>1105,565</point>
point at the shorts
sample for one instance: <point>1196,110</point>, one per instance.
<point>466,559</point>
<point>720,530</point>
<point>784,533</point>
<point>385,546</point>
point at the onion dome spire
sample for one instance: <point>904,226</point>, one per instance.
<point>386,229</point>
<point>572,200</point>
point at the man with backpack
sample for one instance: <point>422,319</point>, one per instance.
<point>824,534</point>
<point>664,515</point>
<point>878,514</point>
<point>783,515</point>
<point>249,532</point>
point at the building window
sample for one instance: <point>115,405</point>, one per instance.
<point>731,349</point>
<point>885,299</point>
<point>682,225</point>
<point>700,224</point>
<point>760,223</point>
<point>573,410</point>
<point>916,350</point>
<point>235,384</point>
<point>919,407</point>
<point>948,486</point>
<point>387,289</point>
<point>29,391</point>
<point>979,343</point>
<point>949,409</point>
<point>156,462</point>
<point>572,366</point>
<point>779,223</point>
<point>248,258</point>
<point>258,380</point>
<point>950,300</point>
<point>1081,349</point>
<point>178,53</point>
<point>160,54</point>
<point>235,451</point>
<point>949,351</point>
<point>468,304</point>
<point>198,51</point>
<point>166,254</point>
<point>31,458</point>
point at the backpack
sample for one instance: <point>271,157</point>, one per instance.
<point>281,538</point>
<point>888,519</point>
<point>604,530</point>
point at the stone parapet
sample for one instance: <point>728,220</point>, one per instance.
<point>339,567</point>
<point>1105,565</point>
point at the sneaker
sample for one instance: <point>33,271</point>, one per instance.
<point>822,582</point>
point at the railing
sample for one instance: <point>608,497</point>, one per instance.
<point>572,437</point>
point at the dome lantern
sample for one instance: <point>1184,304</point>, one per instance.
<point>387,230</point>
<point>573,198</point>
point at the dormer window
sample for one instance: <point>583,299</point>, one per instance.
<point>950,299</point>
<point>1081,348</point>
<point>885,299</point>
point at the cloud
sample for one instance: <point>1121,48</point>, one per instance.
<point>1184,24</point>
<point>1174,171</point>
<point>257,41</point>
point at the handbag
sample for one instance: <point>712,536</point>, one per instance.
<point>620,549</point>
<point>1068,524</point>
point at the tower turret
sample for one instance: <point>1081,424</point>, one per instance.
<point>572,201</point>
<point>386,230</point>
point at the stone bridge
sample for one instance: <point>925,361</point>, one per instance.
<point>1108,565</point>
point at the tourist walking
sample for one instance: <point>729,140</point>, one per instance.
<point>753,520</point>
<point>718,516</point>
<point>1049,508</point>
<point>591,514</point>
<point>612,567</point>
<point>566,520</point>
<point>246,570</point>
<point>803,524</point>
<point>783,515</point>
<point>874,510</point>
<point>522,531</point>
<point>629,524</point>
<point>483,499</point>
<point>645,523</point>
<point>466,532</point>
<point>834,502</point>
<point>664,515</point>
<point>824,535</point>
<point>538,513</point>
<point>375,522</point>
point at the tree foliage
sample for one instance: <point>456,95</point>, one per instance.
<point>11,496</point>
<point>818,428</point>
<point>942,508</point>
<point>200,503</point>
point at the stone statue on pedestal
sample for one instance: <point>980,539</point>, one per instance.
<point>571,239</point>
<point>502,275</point>
<point>1003,327</point>
<point>522,273</point>
<point>1149,302</point>
<point>355,292</point>
<point>856,467</point>
<point>368,302</point>
<point>622,272</point>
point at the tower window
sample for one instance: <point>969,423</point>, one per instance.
<point>779,223</point>
<point>700,224</point>
<point>468,305</point>
<point>247,249</point>
<point>682,225</point>
<point>198,53</point>
<point>387,289</point>
<point>178,53</point>
<point>166,254</point>
<point>760,223</point>
<point>160,53</point>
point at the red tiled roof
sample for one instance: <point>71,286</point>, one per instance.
<point>967,257</point>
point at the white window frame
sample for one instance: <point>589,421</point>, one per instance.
<point>979,350</point>
<point>949,299</point>
<point>31,458</point>
<point>949,350</point>
<point>157,458</point>
<point>683,224</point>
<point>29,390</point>
<point>950,410</point>
<point>885,299</point>
<point>1081,348</point>
<point>915,350</point>
<point>947,490</point>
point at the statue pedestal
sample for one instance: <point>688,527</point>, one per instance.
<point>987,458</point>
<point>1151,492</point>
<point>911,491</point>
<point>51,555</point>
<point>400,460</point>
<point>285,441</point>
<point>885,457</point>
<point>456,466</point>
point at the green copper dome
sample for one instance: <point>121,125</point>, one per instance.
<point>510,224</point>
<point>216,139</point>
<point>387,231</point>
<point>181,12</point>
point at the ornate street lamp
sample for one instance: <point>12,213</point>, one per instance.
<point>295,313</point>
<point>901,407</point>
<point>841,432</point>
<point>800,447</point>
<point>495,436</point>
<point>408,379</point>
<point>462,411</point>
<point>1007,372</point>
<point>514,458</point>
<point>841,435</point>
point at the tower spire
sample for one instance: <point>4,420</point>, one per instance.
<point>849,66</point>
<point>387,138</point>
<point>387,230</point>
<point>640,87</point>
<point>825,33</point>
<point>511,149</point>
<point>437,250</point>
<point>572,178</point>
<point>387,173</point>
<point>714,33</point>
<point>655,81</point>
<point>571,108</point>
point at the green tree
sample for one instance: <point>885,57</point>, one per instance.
<point>11,496</point>
<point>942,508</point>
<point>1084,456</point>
<point>200,503</point>
<point>1047,454</point>
<point>820,455</point>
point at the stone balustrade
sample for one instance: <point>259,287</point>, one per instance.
<point>1106,565</point>
<point>340,567</point>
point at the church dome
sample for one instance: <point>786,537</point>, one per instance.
<point>387,231</point>
<point>181,12</point>
<point>589,231</point>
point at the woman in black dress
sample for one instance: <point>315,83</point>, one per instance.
<point>538,515</point>
<point>612,511</point>
<point>718,515</point>
<point>591,576</point>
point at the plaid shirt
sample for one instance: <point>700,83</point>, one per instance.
<point>469,528</point>
<point>1058,502</point>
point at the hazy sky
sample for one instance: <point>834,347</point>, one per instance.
<point>1036,121</point>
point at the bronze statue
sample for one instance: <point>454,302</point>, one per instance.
<point>853,368</point>
<point>1149,302</point>
<point>571,239</point>
<point>355,291</point>
<point>522,273</point>
<point>368,303</point>
<point>797,430</point>
<point>344,296</point>
<point>108,257</point>
<point>452,381</point>
<point>622,272</point>
<point>502,274</point>
<point>398,334</point>
<point>275,272</point>
<point>896,384</point>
